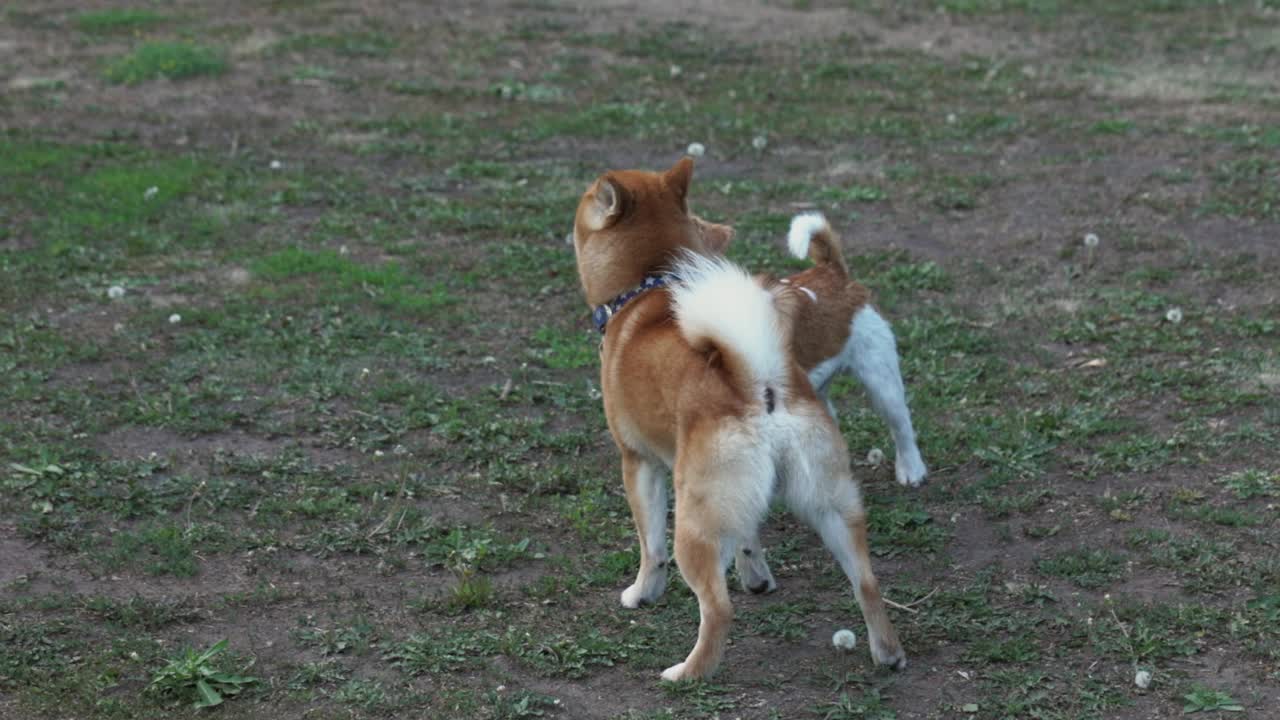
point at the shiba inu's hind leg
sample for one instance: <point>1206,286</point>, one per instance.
<point>820,489</point>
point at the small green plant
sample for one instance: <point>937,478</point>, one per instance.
<point>474,549</point>
<point>523,704</point>
<point>782,620</point>
<point>1203,699</point>
<point>194,677</point>
<point>1087,568</point>
<point>441,652</point>
<point>471,593</point>
<point>102,22</point>
<point>338,640</point>
<point>869,706</point>
<point>365,693</point>
<point>175,61</point>
<point>1252,483</point>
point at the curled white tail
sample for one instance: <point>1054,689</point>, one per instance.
<point>811,236</point>
<point>716,303</point>
<point>803,227</point>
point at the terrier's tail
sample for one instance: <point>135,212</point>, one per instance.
<point>811,236</point>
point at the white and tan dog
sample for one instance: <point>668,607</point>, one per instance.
<point>698,376</point>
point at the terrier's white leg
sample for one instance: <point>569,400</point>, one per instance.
<point>873,354</point>
<point>820,378</point>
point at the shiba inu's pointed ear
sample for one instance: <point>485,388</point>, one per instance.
<point>609,198</point>
<point>677,178</point>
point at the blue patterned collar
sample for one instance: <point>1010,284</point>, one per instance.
<point>602,313</point>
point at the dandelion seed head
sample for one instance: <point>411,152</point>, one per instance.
<point>1174,315</point>
<point>115,292</point>
<point>844,640</point>
<point>174,319</point>
<point>1142,679</point>
<point>1091,240</point>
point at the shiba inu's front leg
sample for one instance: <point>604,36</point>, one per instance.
<point>752,569</point>
<point>647,495</point>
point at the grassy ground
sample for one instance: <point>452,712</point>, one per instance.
<point>342,413</point>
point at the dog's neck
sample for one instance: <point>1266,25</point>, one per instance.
<point>602,313</point>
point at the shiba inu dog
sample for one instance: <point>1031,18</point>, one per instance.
<point>697,374</point>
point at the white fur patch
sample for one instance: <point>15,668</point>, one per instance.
<point>803,227</point>
<point>718,301</point>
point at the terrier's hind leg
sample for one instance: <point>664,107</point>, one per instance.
<point>874,359</point>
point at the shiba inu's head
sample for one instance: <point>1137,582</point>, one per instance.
<point>631,223</point>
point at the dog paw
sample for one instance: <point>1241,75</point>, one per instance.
<point>893,657</point>
<point>675,673</point>
<point>633,597</point>
<point>909,469</point>
<point>643,592</point>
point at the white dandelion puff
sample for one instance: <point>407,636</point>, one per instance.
<point>150,192</point>
<point>1142,679</point>
<point>1090,240</point>
<point>760,142</point>
<point>696,149</point>
<point>875,457</point>
<point>1174,315</point>
<point>174,319</point>
<point>844,640</point>
<point>115,292</point>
